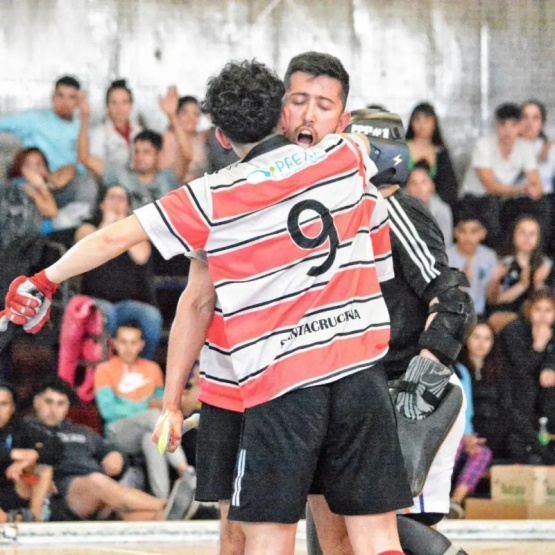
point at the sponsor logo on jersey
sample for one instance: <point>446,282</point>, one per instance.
<point>287,166</point>
<point>322,324</point>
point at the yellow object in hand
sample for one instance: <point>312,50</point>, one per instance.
<point>166,433</point>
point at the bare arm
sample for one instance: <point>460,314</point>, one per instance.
<point>188,332</point>
<point>92,163</point>
<point>492,187</point>
<point>184,154</point>
<point>97,248</point>
<point>61,177</point>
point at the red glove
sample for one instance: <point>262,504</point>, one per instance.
<point>28,302</point>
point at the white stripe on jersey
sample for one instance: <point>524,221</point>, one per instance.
<point>406,233</point>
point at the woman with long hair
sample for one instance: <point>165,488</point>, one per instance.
<point>426,143</point>
<point>529,350</point>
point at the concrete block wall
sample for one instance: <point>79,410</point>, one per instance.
<point>464,56</point>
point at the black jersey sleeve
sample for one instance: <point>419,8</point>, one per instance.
<point>417,240</point>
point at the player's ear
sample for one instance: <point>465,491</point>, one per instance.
<point>285,120</point>
<point>222,139</point>
<point>344,120</point>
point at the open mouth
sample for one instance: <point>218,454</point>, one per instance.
<point>305,138</point>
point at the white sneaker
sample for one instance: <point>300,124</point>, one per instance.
<point>181,503</point>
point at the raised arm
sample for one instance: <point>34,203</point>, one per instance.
<point>184,155</point>
<point>92,163</point>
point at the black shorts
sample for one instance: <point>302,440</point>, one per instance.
<point>219,433</point>
<point>341,435</point>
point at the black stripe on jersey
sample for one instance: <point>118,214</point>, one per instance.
<point>170,228</point>
<point>314,344</point>
<point>277,232</point>
<point>228,185</point>
<point>380,224</point>
<point>277,300</point>
<point>290,197</point>
<point>338,143</point>
<point>334,376</point>
<point>289,329</point>
<point>284,268</point>
<point>415,247</point>
<point>217,379</point>
<point>361,263</point>
<point>199,208</point>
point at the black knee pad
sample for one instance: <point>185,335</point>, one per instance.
<point>419,539</point>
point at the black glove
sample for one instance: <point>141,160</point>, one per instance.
<point>421,387</point>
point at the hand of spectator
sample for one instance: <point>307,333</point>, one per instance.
<point>176,429</point>
<point>169,103</point>
<point>545,151</point>
<point>525,274</point>
<point>112,463</point>
<point>547,377</point>
<point>534,191</point>
<point>541,275</point>
<point>499,272</point>
<point>84,106</point>
<point>541,335</point>
<point>471,444</point>
<point>15,470</point>
<point>155,403</point>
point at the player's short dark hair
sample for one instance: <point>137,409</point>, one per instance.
<point>245,101</point>
<point>184,100</point>
<point>67,81</point>
<point>317,64</point>
<point>463,213</point>
<point>55,383</point>
<point>155,139</point>
<point>507,111</point>
<point>133,324</point>
<point>118,84</point>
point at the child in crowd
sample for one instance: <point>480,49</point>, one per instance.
<point>421,186</point>
<point>472,453</point>
<point>524,270</point>
<point>468,254</point>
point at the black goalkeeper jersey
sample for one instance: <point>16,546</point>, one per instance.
<point>418,258</point>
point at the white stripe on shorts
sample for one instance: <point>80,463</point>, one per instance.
<point>236,499</point>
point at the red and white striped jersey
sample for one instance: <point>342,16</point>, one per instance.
<point>286,232</point>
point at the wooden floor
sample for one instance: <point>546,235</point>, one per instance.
<point>473,548</point>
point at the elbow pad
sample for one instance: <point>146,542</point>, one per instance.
<point>455,317</point>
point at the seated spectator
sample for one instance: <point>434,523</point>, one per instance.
<point>488,392</point>
<point>532,122</point>
<point>54,132</point>
<point>524,270</point>
<point>425,142</point>
<point>84,477</point>
<point>468,255</point>
<point>421,186</point>
<point>122,288</point>
<point>504,168</point>
<point>472,454</point>
<point>29,169</point>
<point>145,182</point>
<point>188,117</point>
<point>128,392</point>
<point>26,455</point>
<point>529,350</point>
<point>112,140</point>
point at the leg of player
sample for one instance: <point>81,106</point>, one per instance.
<point>374,534</point>
<point>232,537</point>
<point>326,532</point>
<point>269,538</point>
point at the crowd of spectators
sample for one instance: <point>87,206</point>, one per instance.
<point>69,179</point>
